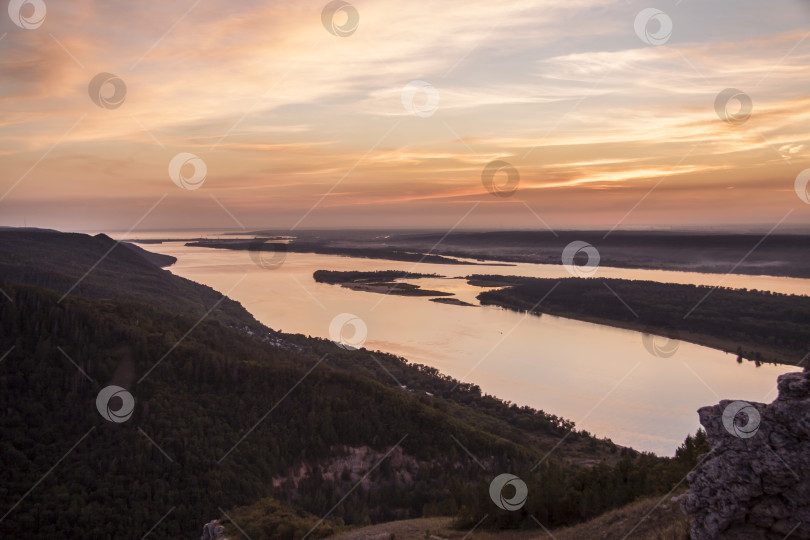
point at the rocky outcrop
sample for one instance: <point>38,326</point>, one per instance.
<point>755,482</point>
<point>213,531</point>
<point>354,462</point>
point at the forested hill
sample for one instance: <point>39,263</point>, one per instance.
<point>275,430</point>
<point>97,267</point>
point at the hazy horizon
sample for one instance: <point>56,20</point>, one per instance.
<point>797,229</point>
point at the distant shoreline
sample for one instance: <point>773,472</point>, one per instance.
<point>259,245</point>
<point>777,255</point>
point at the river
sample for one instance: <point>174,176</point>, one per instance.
<point>604,379</point>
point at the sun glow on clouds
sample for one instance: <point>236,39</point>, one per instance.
<point>283,112</point>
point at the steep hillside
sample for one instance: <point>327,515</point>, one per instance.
<point>198,407</point>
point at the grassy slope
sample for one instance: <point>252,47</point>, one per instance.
<point>652,518</point>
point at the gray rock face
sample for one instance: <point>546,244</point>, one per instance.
<point>755,482</point>
<point>212,531</point>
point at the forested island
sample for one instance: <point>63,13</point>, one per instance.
<point>756,325</point>
<point>381,281</point>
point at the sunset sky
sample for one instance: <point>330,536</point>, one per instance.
<point>300,128</point>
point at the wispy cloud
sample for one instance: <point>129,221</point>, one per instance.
<point>280,109</point>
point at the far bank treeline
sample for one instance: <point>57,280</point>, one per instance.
<point>756,325</point>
